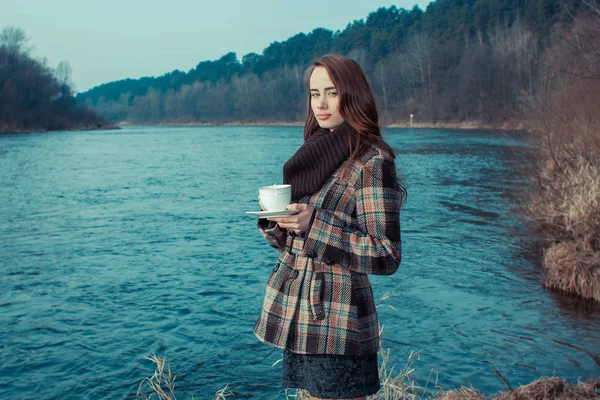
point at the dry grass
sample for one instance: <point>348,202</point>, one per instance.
<point>161,385</point>
<point>297,394</point>
<point>460,394</point>
<point>399,386</point>
<point>564,202</point>
<point>554,389</point>
<point>567,213</point>
<point>223,393</point>
<point>394,386</point>
<point>541,389</point>
<point>573,270</point>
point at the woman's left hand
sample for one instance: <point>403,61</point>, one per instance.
<point>298,223</point>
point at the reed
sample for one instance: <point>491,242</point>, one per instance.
<point>161,384</point>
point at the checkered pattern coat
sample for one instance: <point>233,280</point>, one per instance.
<point>318,298</point>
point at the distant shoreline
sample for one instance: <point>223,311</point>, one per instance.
<point>466,125</point>
<point>75,128</point>
<point>237,123</point>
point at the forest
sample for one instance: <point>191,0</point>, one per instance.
<point>459,60</point>
<point>35,97</point>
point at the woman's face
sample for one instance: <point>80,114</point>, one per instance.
<point>324,99</point>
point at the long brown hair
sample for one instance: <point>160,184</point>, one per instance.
<point>357,106</point>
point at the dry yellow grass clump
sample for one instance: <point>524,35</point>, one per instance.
<point>161,385</point>
<point>568,213</point>
<point>564,201</point>
<point>541,389</point>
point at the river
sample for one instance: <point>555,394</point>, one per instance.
<point>118,244</point>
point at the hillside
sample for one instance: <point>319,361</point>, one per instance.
<point>34,97</point>
<point>460,60</point>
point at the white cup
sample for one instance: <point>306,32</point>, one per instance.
<point>275,197</point>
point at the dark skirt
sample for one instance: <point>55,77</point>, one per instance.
<point>331,376</point>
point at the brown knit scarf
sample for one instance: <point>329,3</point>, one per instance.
<point>316,160</point>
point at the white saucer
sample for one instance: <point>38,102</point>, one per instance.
<point>267,214</point>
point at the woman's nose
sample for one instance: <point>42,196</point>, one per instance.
<point>323,103</point>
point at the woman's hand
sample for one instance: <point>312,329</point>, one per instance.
<point>298,223</point>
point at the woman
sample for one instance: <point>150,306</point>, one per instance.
<point>318,303</point>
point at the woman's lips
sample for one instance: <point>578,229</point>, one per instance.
<point>324,117</point>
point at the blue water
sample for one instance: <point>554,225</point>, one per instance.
<point>117,244</point>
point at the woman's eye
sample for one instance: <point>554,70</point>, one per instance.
<point>315,94</point>
<point>332,94</point>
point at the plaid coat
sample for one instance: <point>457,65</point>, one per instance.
<point>318,298</point>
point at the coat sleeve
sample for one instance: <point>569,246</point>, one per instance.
<point>374,246</point>
<point>275,236</point>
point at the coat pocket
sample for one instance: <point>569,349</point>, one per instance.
<point>273,273</point>
<point>316,296</point>
<point>362,295</point>
<point>337,197</point>
<point>366,312</point>
<point>280,279</point>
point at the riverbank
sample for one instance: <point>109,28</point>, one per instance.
<point>542,389</point>
<point>85,127</point>
<point>234,123</point>
<point>466,125</point>
<point>563,199</point>
<point>401,385</point>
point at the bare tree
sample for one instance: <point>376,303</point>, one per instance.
<point>380,73</point>
<point>419,48</point>
<point>359,55</point>
<point>63,75</point>
<point>15,40</point>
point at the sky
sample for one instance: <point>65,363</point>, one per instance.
<point>110,40</point>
